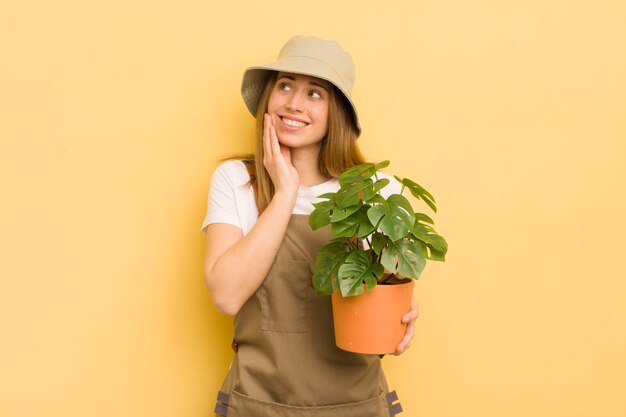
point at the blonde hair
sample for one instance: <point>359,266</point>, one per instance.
<point>339,149</point>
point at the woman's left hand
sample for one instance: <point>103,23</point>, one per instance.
<point>409,318</point>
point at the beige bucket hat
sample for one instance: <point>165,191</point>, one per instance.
<point>311,56</point>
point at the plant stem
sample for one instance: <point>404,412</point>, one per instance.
<point>385,279</point>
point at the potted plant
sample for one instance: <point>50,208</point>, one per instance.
<point>379,246</point>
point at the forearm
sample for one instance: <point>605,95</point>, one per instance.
<point>238,272</point>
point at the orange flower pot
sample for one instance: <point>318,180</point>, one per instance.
<point>372,322</point>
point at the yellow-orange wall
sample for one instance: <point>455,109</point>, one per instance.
<point>113,115</point>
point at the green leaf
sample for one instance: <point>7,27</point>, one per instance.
<point>357,224</point>
<point>365,170</point>
<point>419,192</point>
<point>379,241</point>
<point>365,226</point>
<point>341,213</point>
<point>320,216</point>
<point>427,235</point>
<point>438,243</point>
<point>356,171</point>
<point>435,255</point>
<point>394,217</point>
<point>376,199</point>
<point>380,165</point>
<point>354,192</point>
<point>344,228</point>
<point>357,270</point>
<point>329,196</point>
<point>327,264</point>
<point>404,257</point>
<point>421,217</point>
<point>380,184</point>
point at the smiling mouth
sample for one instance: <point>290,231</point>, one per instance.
<point>293,123</point>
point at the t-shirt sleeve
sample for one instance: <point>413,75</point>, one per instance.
<point>222,202</point>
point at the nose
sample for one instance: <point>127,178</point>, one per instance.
<point>295,101</point>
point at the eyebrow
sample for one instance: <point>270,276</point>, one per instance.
<point>289,77</point>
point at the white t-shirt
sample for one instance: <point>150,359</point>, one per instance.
<point>231,199</point>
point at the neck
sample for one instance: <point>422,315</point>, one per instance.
<point>306,163</point>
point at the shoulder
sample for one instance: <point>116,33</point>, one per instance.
<point>231,199</point>
<point>230,174</point>
<point>234,169</point>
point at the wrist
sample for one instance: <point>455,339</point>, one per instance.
<point>285,199</point>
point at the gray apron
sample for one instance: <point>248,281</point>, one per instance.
<point>287,363</point>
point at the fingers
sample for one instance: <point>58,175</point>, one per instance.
<point>285,151</point>
<point>408,319</point>
<point>277,159</point>
<point>271,145</point>
<point>406,340</point>
<point>267,143</point>
<point>274,138</point>
<point>413,314</point>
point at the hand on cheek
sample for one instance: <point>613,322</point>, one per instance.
<point>277,160</point>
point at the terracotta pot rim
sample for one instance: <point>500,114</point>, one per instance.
<point>403,282</point>
<point>406,281</point>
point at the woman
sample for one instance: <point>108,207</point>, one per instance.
<point>261,252</point>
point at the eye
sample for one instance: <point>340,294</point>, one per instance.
<point>284,86</point>
<point>315,94</point>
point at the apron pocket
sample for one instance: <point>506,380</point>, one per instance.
<point>241,405</point>
<point>284,297</point>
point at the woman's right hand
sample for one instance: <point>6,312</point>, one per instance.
<point>277,161</point>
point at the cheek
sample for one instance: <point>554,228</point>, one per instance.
<point>320,112</point>
<point>273,103</point>
<point>322,116</point>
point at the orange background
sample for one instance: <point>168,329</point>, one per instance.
<point>114,114</point>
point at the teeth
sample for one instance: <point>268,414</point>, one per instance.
<point>293,123</point>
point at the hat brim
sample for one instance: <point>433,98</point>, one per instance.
<point>255,78</point>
